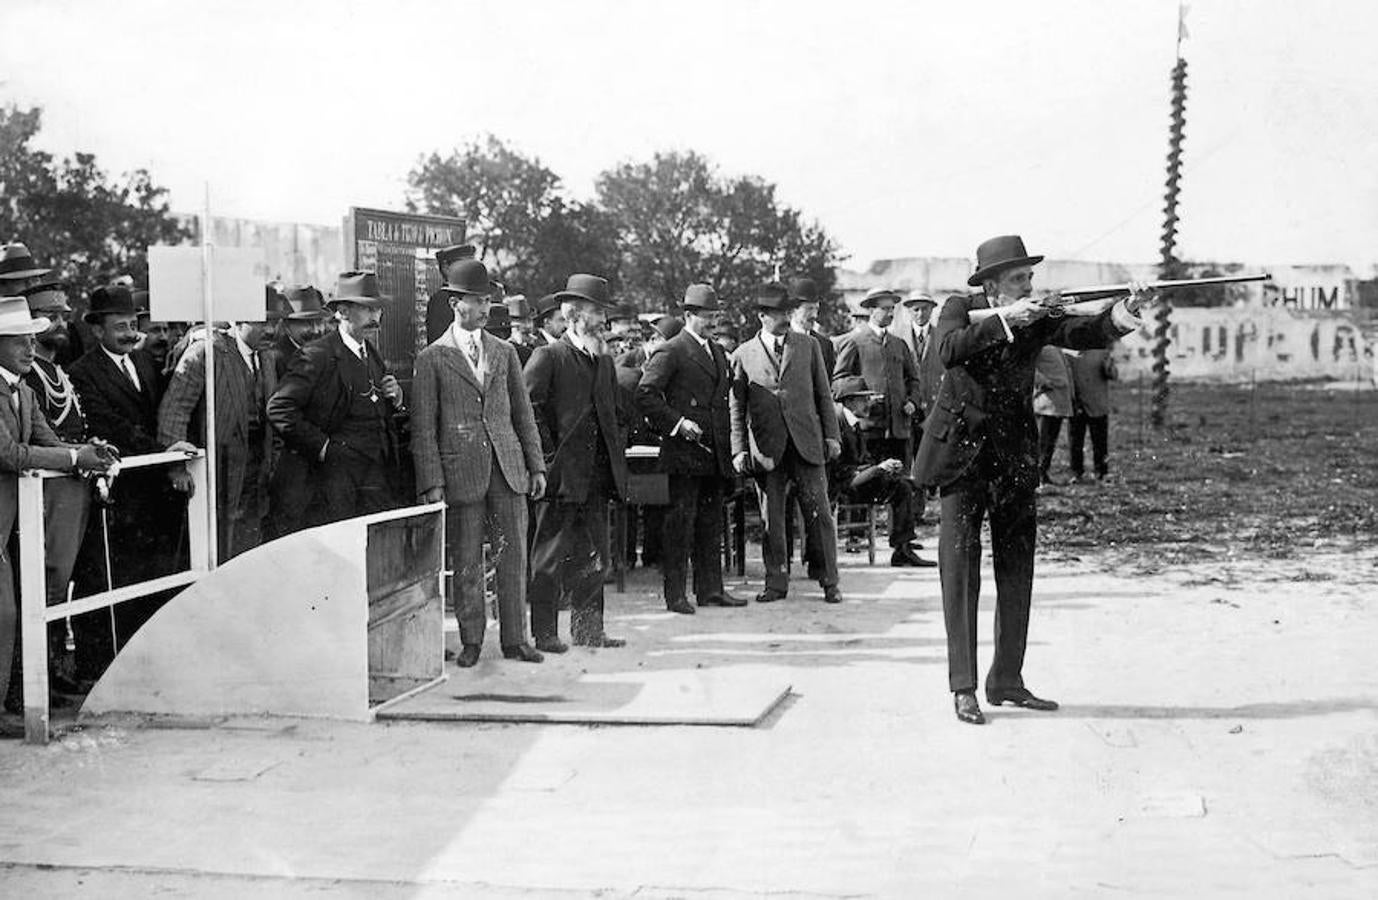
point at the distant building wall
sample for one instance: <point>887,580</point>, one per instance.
<point>293,253</point>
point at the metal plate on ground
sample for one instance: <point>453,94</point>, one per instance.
<point>732,697</point>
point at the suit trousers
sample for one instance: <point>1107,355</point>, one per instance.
<point>570,554</point>
<point>66,509</point>
<point>693,522</point>
<point>500,515</point>
<point>1049,428</point>
<point>293,495</point>
<point>1008,494</point>
<point>355,484</point>
<point>1099,426</point>
<point>811,487</point>
<point>240,484</point>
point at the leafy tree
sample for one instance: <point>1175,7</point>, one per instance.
<point>680,221</point>
<point>71,215</point>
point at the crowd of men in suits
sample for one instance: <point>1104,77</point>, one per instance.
<point>519,421</point>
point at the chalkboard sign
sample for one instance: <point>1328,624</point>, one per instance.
<point>400,248</point>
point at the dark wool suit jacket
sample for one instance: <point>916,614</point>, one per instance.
<point>114,410</point>
<point>459,426</point>
<point>575,404</point>
<point>887,367</point>
<point>314,396</point>
<point>771,406</point>
<point>986,398</point>
<point>681,381</point>
<point>825,344</point>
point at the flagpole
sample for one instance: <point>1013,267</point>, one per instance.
<point>208,336</point>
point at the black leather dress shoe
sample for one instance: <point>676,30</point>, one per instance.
<point>523,652</point>
<point>769,595</point>
<point>1019,697</point>
<point>680,606</point>
<point>903,557</point>
<point>551,645</point>
<point>831,594</point>
<point>468,656</point>
<point>968,710</point>
<point>601,640</point>
<point>723,599</point>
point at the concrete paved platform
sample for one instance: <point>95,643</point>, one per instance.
<point>1218,737</point>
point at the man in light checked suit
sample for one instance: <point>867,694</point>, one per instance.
<point>475,445</point>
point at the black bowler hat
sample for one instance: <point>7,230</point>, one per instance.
<point>545,306</point>
<point>667,326</point>
<point>471,277</point>
<point>774,295</point>
<point>499,320</point>
<point>804,290</point>
<point>591,288</point>
<point>517,307</point>
<point>998,254</point>
<point>112,299</point>
<point>700,296</point>
<point>448,255</point>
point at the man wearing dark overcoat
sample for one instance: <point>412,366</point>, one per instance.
<point>684,395</point>
<point>884,361</point>
<point>475,446</point>
<point>784,430</point>
<point>335,404</point>
<point>980,449</point>
<point>574,396</point>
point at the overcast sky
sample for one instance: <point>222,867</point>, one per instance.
<point>906,129</point>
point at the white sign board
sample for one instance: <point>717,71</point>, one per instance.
<point>175,284</point>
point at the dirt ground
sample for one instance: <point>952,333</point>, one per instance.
<point>1242,475</point>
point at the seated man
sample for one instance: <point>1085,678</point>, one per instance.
<point>857,477</point>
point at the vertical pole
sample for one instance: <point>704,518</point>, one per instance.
<point>208,313</point>
<point>33,604</point>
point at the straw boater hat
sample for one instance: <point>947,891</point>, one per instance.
<point>918,297</point>
<point>998,254</point>
<point>15,318</point>
<point>357,287</point>
<point>17,262</point>
<point>50,296</point>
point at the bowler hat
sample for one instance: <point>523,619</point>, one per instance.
<point>305,303</point>
<point>15,318</point>
<point>49,296</point>
<point>357,287</point>
<point>471,277</point>
<point>773,295</point>
<point>804,290</point>
<point>545,306</point>
<point>517,307</point>
<point>998,254</point>
<point>667,326</point>
<point>498,320</point>
<point>875,295</point>
<point>112,299</point>
<point>447,255</point>
<point>17,262</point>
<point>700,296</point>
<point>916,297</point>
<point>590,288</point>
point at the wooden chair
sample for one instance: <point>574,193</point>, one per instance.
<point>862,518</point>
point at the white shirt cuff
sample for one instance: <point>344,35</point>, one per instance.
<point>674,432</point>
<point>74,458</point>
<point>1124,319</point>
<point>1009,335</point>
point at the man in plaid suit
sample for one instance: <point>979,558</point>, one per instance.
<point>475,446</point>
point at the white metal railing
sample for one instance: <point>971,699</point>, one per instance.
<point>34,611</point>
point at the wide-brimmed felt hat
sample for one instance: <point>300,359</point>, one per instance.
<point>853,386</point>
<point>517,307</point>
<point>471,277</point>
<point>357,287</point>
<point>447,255</point>
<point>591,288</point>
<point>804,290</point>
<point>17,262</point>
<point>305,303</point>
<point>773,295</point>
<point>111,299</point>
<point>15,318</point>
<point>998,254</point>
<point>700,296</point>
<point>50,296</point>
<point>916,297</point>
<point>875,295</point>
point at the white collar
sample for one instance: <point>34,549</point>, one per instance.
<point>354,346</point>
<point>581,344</point>
<point>244,349</point>
<point>116,358</point>
<point>850,416</point>
<point>10,378</point>
<point>880,332</point>
<point>464,335</point>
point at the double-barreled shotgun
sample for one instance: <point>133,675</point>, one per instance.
<point>1092,301</point>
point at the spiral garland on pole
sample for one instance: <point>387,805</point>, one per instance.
<point>1169,265</point>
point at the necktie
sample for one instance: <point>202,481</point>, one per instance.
<point>473,352</point>
<point>780,348</point>
<point>129,371</point>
